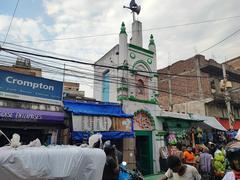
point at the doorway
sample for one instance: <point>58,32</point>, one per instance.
<point>144,154</point>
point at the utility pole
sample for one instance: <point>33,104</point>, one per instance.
<point>170,91</point>
<point>200,89</point>
<point>170,102</point>
<point>225,85</point>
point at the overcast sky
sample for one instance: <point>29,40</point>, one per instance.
<point>94,26</point>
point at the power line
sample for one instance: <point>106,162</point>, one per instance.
<point>117,81</point>
<point>81,72</point>
<point>232,34</point>
<point>110,81</point>
<point>35,49</point>
<point>150,29</point>
<point>91,64</point>
<point>10,23</point>
<point>47,70</point>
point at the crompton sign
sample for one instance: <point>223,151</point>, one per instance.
<point>29,88</point>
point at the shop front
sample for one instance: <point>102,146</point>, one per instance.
<point>148,137</point>
<point>177,128</point>
<point>143,127</point>
<point>225,123</point>
<point>31,124</point>
<point>32,107</point>
<point>190,129</point>
<point>107,119</point>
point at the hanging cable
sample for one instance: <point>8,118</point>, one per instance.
<point>144,30</point>
<point>9,27</point>
<point>229,36</point>
<point>91,64</point>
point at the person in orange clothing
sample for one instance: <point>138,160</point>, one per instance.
<point>189,157</point>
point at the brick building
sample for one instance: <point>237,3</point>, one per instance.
<point>192,86</point>
<point>23,66</point>
<point>235,63</point>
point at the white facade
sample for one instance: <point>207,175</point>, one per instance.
<point>109,59</point>
<point>130,107</point>
<point>140,63</point>
<point>132,81</point>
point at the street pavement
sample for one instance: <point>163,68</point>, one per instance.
<point>153,177</point>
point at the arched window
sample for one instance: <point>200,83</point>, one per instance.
<point>140,87</point>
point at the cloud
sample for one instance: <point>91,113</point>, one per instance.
<point>78,18</point>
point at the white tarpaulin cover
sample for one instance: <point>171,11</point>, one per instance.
<point>52,162</point>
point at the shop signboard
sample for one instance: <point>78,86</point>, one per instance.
<point>30,88</point>
<point>26,115</point>
<point>101,123</point>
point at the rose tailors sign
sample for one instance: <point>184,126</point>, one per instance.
<point>27,115</point>
<point>30,88</point>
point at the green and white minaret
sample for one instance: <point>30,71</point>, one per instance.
<point>123,64</point>
<point>123,46</point>
<point>152,47</point>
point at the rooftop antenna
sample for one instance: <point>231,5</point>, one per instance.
<point>134,8</point>
<point>195,50</point>
<point>213,56</point>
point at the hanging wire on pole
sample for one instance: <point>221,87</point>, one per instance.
<point>90,64</point>
<point>9,27</point>
<point>229,36</point>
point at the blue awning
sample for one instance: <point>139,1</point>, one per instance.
<point>106,135</point>
<point>80,108</point>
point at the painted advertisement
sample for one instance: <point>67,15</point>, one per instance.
<point>101,123</point>
<point>30,88</point>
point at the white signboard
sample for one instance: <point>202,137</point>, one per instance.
<point>101,123</point>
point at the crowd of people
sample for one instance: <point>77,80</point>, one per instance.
<point>113,157</point>
<point>212,161</point>
<point>206,162</point>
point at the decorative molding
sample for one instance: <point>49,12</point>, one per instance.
<point>132,98</point>
<point>151,101</point>
<point>140,49</point>
<point>120,98</point>
<point>141,53</point>
<point>132,55</point>
<point>141,62</point>
<point>149,60</point>
<point>123,88</point>
<point>148,115</point>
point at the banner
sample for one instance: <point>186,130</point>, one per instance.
<point>101,123</point>
<point>30,88</point>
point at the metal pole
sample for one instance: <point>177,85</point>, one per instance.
<point>170,90</point>
<point>134,18</point>
<point>227,99</point>
<point>63,82</point>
